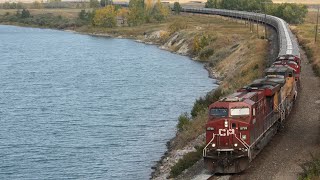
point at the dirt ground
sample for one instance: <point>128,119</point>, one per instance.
<point>291,147</point>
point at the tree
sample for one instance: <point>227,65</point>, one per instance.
<point>123,13</point>
<point>136,12</point>
<point>86,16</point>
<point>36,5</point>
<point>104,3</point>
<point>6,5</point>
<point>25,13</point>
<point>212,4</point>
<point>177,8</point>
<point>105,17</point>
<point>19,5</point>
<point>52,1</point>
<point>160,12</point>
<point>94,3</point>
<point>148,10</point>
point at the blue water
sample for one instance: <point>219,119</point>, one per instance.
<point>80,107</point>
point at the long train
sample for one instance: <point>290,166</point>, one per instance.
<point>241,124</point>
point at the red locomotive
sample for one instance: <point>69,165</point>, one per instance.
<point>292,61</point>
<point>241,124</point>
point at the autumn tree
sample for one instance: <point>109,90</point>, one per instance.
<point>136,12</point>
<point>212,4</point>
<point>123,13</point>
<point>148,10</point>
<point>292,13</point>
<point>94,3</point>
<point>36,5</point>
<point>105,17</point>
<point>160,11</point>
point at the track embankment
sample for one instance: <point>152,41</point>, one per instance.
<point>291,146</point>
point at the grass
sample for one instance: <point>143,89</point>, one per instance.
<point>188,160</point>
<point>68,13</point>
<point>311,170</point>
<point>306,34</point>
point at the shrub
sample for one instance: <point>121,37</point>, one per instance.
<point>183,121</point>
<point>187,161</point>
<point>200,42</point>
<point>206,52</point>
<point>177,8</point>
<point>311,170</point>
<point>25,13</point>
<point>105,17</point>
<point>160,11</point>
<point>177,25</point>
<point>203,103</point>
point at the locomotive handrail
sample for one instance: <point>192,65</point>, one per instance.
<point>270,124</point>
<point>204,153</point>
<point>244,144</point>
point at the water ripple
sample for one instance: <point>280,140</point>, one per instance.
<point>81,107</point>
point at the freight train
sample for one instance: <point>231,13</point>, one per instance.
<point>241,124</point>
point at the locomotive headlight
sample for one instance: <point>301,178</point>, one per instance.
<point>244,137</point>
<point>235,145</point>
<point>226,123</point>
<point>213,145</point>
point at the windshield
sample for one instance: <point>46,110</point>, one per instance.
<point>219,112</point>
<point>240,111</point>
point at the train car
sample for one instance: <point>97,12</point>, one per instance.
<point>241,124</point>
<point>292,61</point>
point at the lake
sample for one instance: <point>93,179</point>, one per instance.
<point>82,107</point>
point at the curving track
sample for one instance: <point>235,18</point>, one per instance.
<point>288,44</point>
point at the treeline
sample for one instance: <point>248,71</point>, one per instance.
<point>292,13</point>
<point>43,20</point>
<point>48,4</point>
<point>137,13</point>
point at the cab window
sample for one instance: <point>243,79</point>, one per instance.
<point>219,112</point>
<point>243,111</point>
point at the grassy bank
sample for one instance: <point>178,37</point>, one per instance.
<point>306,36</point>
